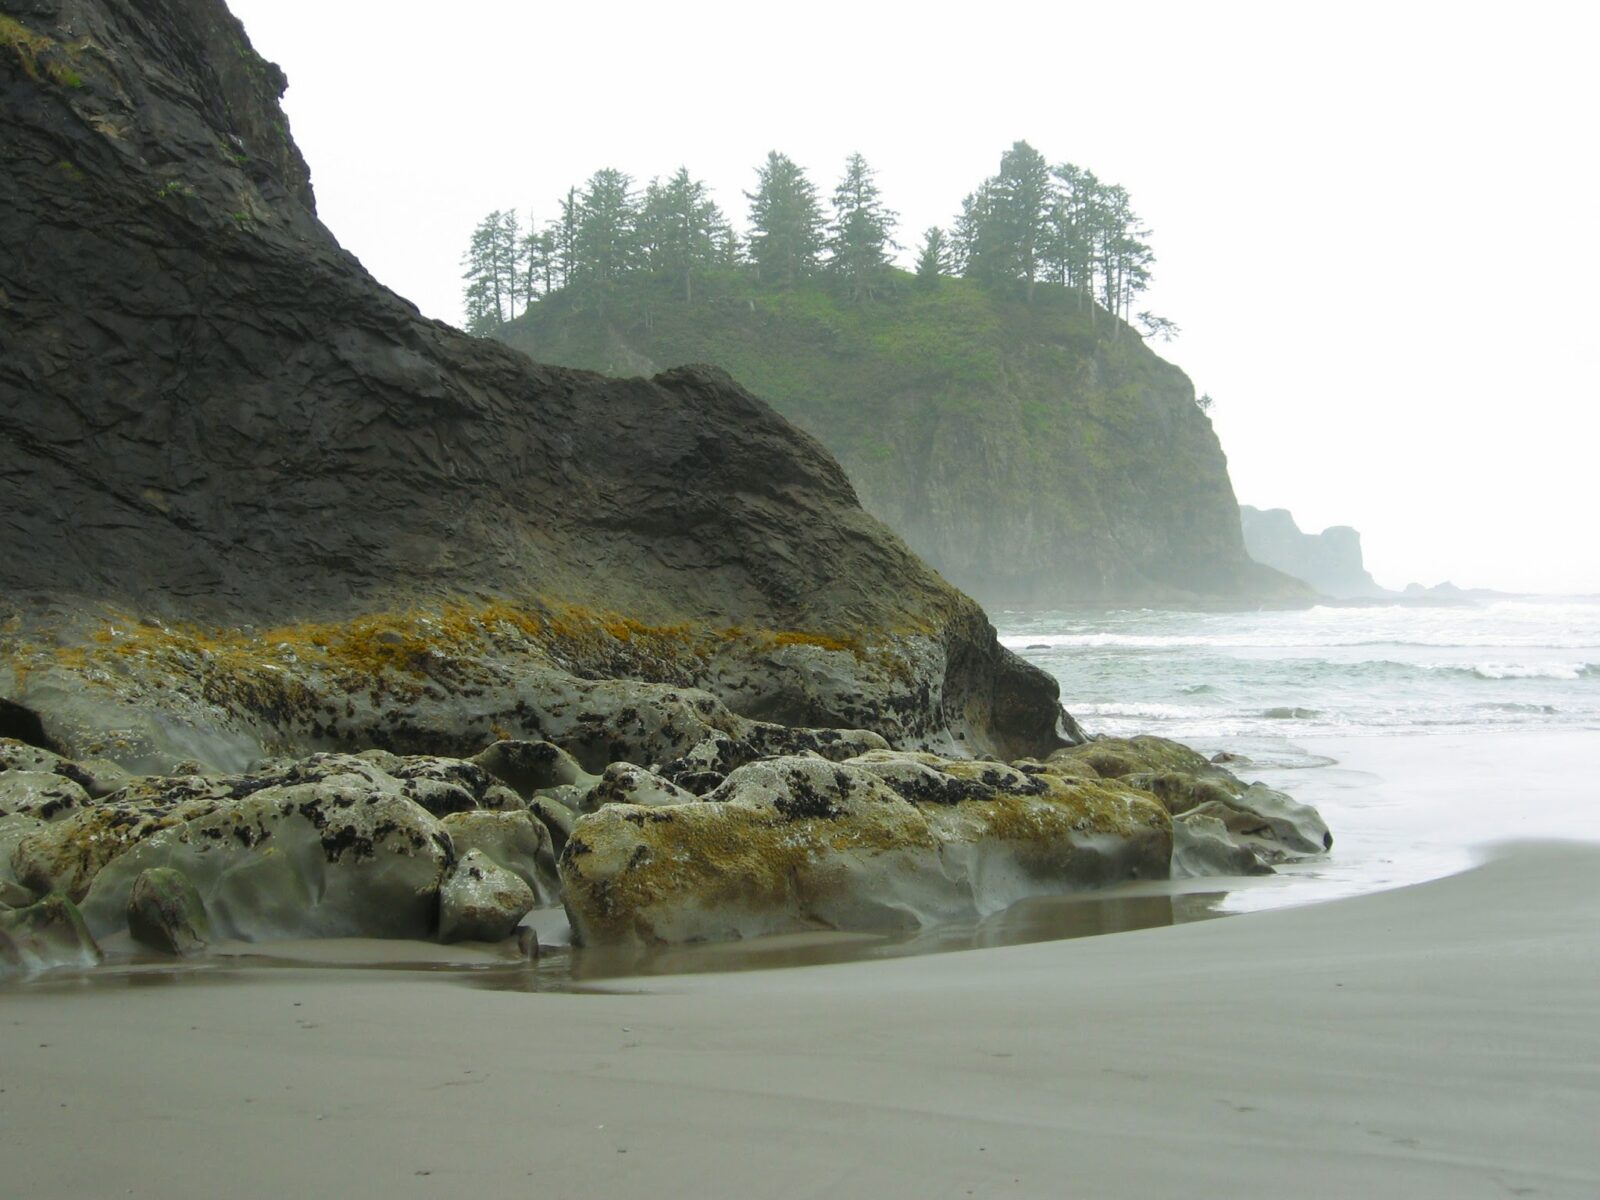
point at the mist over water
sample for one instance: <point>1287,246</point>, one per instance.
<point>1525,663</point>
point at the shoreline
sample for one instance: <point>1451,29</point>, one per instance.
<point>1430,1040</point>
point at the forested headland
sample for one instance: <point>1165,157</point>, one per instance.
<point>995,404</point>
<point>616,249</point>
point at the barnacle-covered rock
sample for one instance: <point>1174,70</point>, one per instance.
<point>481,901</point>
<point>885,841</point>
<point>515,840</point>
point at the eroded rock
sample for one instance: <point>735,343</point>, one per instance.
<point>624,783</point>
<point>46,797</point>
<point>799,842</point>
<point>516,841</point>
<point>47,934</point>
<point>343,856</point>
<point>481,901</point>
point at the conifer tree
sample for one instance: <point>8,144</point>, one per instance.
<point>678,228</point>
<point>786,222</point>
<point>490,295</point>
<point>537,264</point>
<point>604,239</point>
<point>977,251</point>
<point>1023,202</point>
<point>859,235</point>
<point>933,259</point>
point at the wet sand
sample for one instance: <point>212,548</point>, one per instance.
<point>1435,1040</point>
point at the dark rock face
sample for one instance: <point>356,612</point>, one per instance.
<point>1329,561</point>
<point>210,413</point>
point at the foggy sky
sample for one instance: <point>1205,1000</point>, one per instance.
<point>1373,222</point>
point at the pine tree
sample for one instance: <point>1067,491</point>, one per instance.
<point>859,236</point>
<point>933,259</point>
<point>977,250</point>
<point>604,239</point>
<point>1073,221</point>
<point>786,222</point>
<point>678,230</point>
<point>1023,202</point>
<point>563,233</point>
<point>490,295</point>
<point>537,265</point>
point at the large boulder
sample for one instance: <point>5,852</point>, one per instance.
<point>802,843</point>
<point>336,858</point>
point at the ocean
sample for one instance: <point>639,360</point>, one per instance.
<point>1486,667</point>
<point>1424,733</point>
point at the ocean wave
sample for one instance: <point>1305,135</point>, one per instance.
<point>1225,641</point>
<point>1498,671</point>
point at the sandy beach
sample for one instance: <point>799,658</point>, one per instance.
<point>1433,1040</point>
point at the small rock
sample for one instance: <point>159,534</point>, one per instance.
<point>481,901</point>
<point>529,767</point>
<point>165,912</point>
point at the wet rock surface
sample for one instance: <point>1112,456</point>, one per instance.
<point>45,935</point>
<point>887,841</point>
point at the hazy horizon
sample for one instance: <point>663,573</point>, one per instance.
<point>1373,226</point>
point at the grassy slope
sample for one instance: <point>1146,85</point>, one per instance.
<point>1034,453</point>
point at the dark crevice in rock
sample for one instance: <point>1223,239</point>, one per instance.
<point>24,725</point>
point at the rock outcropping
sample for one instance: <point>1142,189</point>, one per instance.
<point>319,619</point>
<point>1329,561</point>
<point>255,503</point>
<point>380,845</point>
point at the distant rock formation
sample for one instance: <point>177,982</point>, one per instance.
<point>1329,561</point>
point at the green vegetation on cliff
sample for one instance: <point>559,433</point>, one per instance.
<point>1036,453</point>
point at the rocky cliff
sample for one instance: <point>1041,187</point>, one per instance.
<point>252,501</point>
<point>1329,561</point>
<point>1037,454</point>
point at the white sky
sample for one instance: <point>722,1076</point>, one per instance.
<point>1375,223</point>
